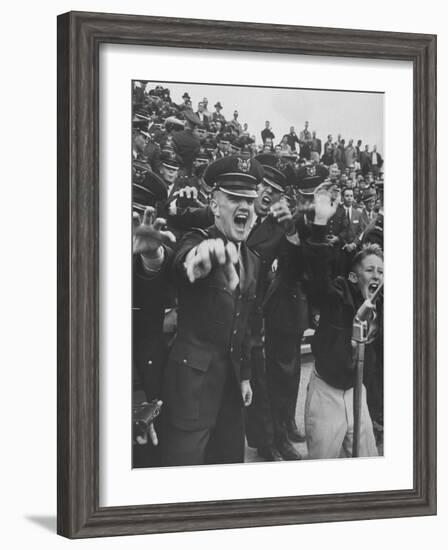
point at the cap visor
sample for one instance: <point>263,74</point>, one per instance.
<point>309,192</point>
<point>172,166</point>
<point>246,193</point>
<point>273,184</point>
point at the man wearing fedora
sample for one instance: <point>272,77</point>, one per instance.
<point>217,116</point>
<point>368,214</point>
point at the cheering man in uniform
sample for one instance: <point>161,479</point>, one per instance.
<point>207,373</point>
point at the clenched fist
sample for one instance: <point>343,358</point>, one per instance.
<point>208,254</point>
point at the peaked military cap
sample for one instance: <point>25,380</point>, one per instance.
<point>273,175</point>
<point>310,176</point>
<point>148,192</point>
<point>235,175</point>
<point>169,158</point>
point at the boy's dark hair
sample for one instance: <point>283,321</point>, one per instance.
<point>367,250</point>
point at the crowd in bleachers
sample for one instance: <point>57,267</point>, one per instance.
<point>182,155</point>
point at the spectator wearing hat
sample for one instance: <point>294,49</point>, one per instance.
<point>186,104</point>
<point>217,116</point>
<point>267,133</point>
<point>207,373</point>
<point>368,215</point>
<point>185,142</point>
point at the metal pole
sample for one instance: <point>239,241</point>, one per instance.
<point>357,397</point>
<point>359,339</point>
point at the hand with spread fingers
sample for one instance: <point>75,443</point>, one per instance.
<point>148,235</point>
<point>208,254</point>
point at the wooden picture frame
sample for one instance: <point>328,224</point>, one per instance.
<point>79,38</point>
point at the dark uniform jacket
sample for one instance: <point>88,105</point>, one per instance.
<point>339,300</point>
<point>149,299</point>
<point>211,336</point>
<point>265,241</point>
<point>285,303</point>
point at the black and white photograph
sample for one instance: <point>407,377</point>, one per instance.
<point>257,261</point>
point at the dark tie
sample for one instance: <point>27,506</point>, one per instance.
<point>256,224</point>
<point>348,215</point>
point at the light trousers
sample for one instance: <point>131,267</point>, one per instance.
<point>329,422</point>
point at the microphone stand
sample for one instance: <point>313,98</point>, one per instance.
<point>359,338</point>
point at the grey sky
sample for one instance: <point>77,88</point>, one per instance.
<point>357,115</point>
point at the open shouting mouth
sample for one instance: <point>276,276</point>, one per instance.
<point>241,220</point>
<point>372,288</point>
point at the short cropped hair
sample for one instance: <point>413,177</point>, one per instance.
<point>367,250</point>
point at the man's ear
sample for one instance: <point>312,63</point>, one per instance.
<point>214,206</point>
<point>353,277</point>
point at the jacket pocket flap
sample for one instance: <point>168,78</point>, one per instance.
<point>194,357</point>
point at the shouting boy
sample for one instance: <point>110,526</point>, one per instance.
<point>329,414</point>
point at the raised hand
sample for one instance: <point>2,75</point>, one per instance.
<point>246,392</point>
<point>188,192</point>
<point>148,235</point>
<point>209,253</point>
<point>325,203</point>
<point>281,212</point>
